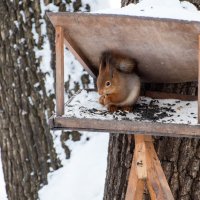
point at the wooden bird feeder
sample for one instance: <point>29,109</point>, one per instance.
<point>167,51</point>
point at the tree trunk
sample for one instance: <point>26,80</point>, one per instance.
<point>25,140</point>
<point>180,157</point>
<point>25,104</point>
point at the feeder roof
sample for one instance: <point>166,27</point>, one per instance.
<point>166,49</point>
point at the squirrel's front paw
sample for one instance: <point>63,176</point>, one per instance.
<point>112,108</point>
<point>101,100</point>
<point>127,108</point>
<point>107,100</point>
<point>104,100</point>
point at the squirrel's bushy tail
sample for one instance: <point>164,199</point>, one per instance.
<point>120,62</point>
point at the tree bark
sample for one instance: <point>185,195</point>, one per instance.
<point>25,141</point>
<point>180,157</point>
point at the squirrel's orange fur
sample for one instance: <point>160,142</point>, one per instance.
<point>117,83</point>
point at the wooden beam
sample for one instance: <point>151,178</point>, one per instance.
<point>199,84</point>
<point>140,157</point>
<point>79,56</point>
<point>135,188</point>
<point>166,95</point>
<point>125,126</point>
<point>156,180</point>
<point>59,71</point>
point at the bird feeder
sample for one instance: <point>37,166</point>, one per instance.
<point>167,51</point>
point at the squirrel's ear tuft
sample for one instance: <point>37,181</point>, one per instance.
<point>105,59</point>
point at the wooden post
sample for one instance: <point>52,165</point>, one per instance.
<point>146,167</point>
<point>135,187</point>
<point>138,172</point>
<point>199,84</point>
<point>140,157</point>
<point>59,71</point>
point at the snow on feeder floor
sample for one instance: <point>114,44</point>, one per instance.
<point>170,117</point>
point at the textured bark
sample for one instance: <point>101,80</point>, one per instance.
<point>180,158</point>
<point>25,140</point>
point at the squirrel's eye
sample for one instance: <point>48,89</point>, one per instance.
<point>108,83</point>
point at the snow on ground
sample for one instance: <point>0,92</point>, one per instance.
<point>82,177</point>
<point>3,195</point>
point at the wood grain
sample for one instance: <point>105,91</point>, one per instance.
<point>167,95</point>
<point>59,71</point>
<point>156,180</point>
<point>140,156</point>
<point>135,188</point>
<point>153,174</point>
<point>124,126</point>
<point>166,49</point>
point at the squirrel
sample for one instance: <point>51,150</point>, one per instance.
<point>117,82</point>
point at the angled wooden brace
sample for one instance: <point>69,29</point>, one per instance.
<point>156,180</point>
<point>146,167</point>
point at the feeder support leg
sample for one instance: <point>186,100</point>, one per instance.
<point>135,187</point>
<point>138,172</point>
<point>59,71</point>
<point>146,167</point>
<point>140,156</point>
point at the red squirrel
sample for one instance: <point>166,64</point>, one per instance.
<point>117,83</point>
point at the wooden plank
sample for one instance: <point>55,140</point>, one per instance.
<point>140,157</point>
<point>156,180</point>
<point>59,71</point>
<point>199,85</point>
<point>166,95</point>
<point>135,188</point>
<point>128,127</point>
<point>168,37</point>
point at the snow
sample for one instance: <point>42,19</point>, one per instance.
<point>173,9</point>
<point>23,16</point>
<point>98,5</point>
<point>3,195</point>
<point>85,105</point>
<point>75,70</point>
<point>16,24</point>
<point>45,52</point>
<point>82,176</point>
<point>58,146</point>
